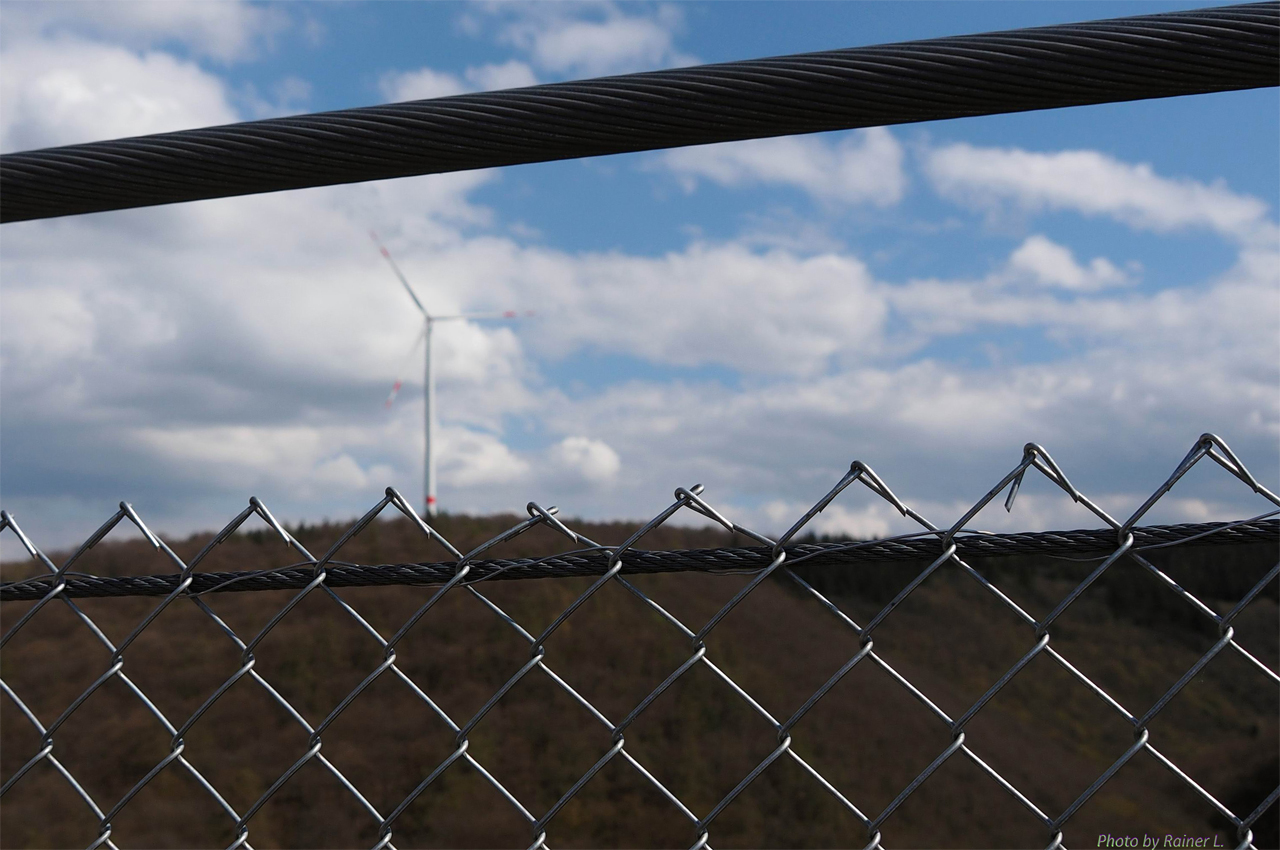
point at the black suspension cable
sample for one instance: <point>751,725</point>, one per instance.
<point>595,563</point>
<point>1206,50</point>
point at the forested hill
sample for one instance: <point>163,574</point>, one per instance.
<point>1046,733</point>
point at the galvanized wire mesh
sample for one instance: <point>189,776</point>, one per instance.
<point>946,556</point>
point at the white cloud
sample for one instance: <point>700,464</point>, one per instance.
<point>306,460</point>
<point>427,83</point>
<point>593,460</point>
<point>469,458</point>
<point>593,40</point>
<point>512,74</point>
<point>291,90</point>
<point>223,30</point>
<point>1092,183</point>
<point>64,333</point>
<point>866,522</point>
<point>763,312</point>
<point>1213,314</point>
<point>1050,264</point>
<point>422,84</point>
<point>860,167</point>
<point>1027,290</point>
<point>246,345</point>
<point>70,91</point>
<point>191,355</point>
<point>1118,417</point>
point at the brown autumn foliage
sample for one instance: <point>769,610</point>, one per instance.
<point>1045,732</point>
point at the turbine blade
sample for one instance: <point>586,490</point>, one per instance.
<point>395,388</point>
<point>407,288</point>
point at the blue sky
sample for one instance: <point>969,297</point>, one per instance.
<point>926,298</point>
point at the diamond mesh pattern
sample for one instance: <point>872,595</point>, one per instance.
<point>871,644</point>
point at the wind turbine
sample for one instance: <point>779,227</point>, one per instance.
<point>428,322</point>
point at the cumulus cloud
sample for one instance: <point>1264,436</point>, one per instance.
<point>1196,319</point>
<point>1033,287</point>
<point>512,74</point>
<point>1092,183</point>
<point>307,460</point>
<point>64,334</point>
<point>246,346</point>
<point>765,312</point>
<point>189,356</point>
<point>864,166</point>
<point>226,31</point>
<point>866,522</point>
<point>593,39</point>
<point>469,458</point>
<point>1118,416</point>
<point>593,460</point>
<point>1047,263</point>
<point>202,349</point>
<point>426,83</point>
<point>70,91</point>
<point>422,84</point>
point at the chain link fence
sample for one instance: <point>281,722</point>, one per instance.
<point>829,767</point>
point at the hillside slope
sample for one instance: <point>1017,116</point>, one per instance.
<point>1044,732</point>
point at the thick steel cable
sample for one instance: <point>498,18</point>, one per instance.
<point>1053,543</point>
<point>1165,55</point>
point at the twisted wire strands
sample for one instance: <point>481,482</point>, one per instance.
<point>596,563</point>
<point>1151,56</point>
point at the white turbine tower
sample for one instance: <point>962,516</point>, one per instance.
<point>429,383</point>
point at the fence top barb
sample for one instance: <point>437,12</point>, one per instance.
<point>1151,56</point>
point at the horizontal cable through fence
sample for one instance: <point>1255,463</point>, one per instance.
<point>597,562</point>
<point>1164,55</point>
